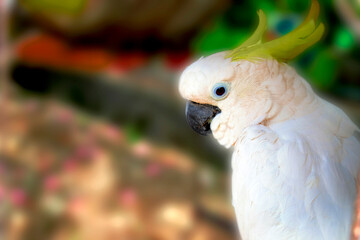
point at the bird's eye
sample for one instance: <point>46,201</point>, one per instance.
<point>220,91</point>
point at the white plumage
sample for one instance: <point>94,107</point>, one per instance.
<point>297,179</point>
<point>295,158</point>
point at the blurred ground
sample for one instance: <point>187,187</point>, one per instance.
<point>93,139</point>
<point>65,175</point>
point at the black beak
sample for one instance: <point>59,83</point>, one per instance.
<point>199,116</point>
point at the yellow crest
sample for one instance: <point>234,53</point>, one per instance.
<point>284,48</point>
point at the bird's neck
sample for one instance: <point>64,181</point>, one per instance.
<point>291,96</point>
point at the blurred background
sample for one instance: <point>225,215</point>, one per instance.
<point>93,139</point>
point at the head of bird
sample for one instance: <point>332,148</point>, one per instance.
<point>224,97</point>
<point>231,90</point>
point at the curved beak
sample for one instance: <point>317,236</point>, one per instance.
<point>199,116</point>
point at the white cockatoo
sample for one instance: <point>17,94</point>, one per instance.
<point>295,157</point>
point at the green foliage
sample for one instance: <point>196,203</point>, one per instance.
<point>296,5</point>
<point>220,38</point>
<point>57,6</point>
<point>344,39</point>
<point>356,6</point>
<point>323,71</point>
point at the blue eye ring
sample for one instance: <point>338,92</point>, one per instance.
<point>220,91</point>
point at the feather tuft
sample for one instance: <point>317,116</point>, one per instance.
<point>284,48</point>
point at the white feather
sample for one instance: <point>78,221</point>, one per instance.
<point>297,179</point>
<point>296,157</point>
